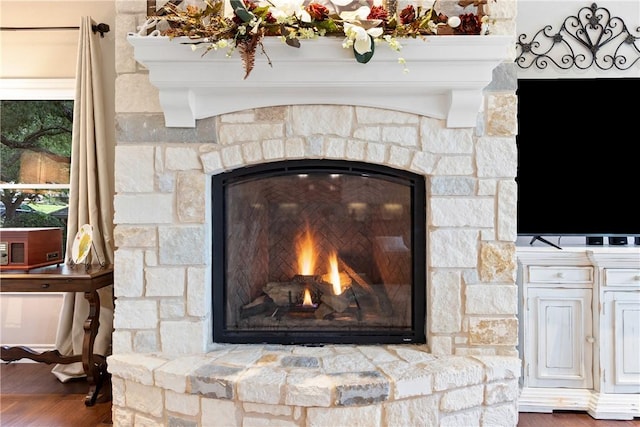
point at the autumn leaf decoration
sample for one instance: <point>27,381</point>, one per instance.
<point>249,42</point>
<point>247,48</point>
<point>293,20</point>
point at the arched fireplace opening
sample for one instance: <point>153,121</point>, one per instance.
<point>317,252</point>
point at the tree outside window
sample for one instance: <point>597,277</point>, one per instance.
<point>35,156</point>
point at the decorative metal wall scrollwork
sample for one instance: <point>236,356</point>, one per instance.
<point>592,37</point>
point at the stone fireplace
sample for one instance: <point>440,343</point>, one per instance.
<point>174,143</point>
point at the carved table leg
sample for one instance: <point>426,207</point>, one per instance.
<point>94,366</point>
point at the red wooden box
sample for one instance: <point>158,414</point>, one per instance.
<point>27,248</point>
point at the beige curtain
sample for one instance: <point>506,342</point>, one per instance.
<point>90,202</point>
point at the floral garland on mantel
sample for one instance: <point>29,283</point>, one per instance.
<point>360,22</point>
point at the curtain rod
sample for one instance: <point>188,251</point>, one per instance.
<point>99,28</point>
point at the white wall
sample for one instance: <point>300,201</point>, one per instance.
<point>533,15</point>
<point>30,319</point>
<point>50,54</point>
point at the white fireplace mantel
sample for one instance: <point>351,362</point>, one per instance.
<point>445,78</point>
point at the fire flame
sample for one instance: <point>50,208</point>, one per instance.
<point>334,273</point>
<point>307,302</point>
<point>307,258</point>
<point>306,254</point>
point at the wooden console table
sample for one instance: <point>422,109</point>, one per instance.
<point>64,278</point>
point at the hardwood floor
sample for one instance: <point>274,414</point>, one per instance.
<point>32,397</point>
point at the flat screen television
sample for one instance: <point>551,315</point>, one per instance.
<point>578,168</point>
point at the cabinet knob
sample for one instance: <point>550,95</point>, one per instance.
<point>637,278</point>
<point>591,340</point>
<point>560,275</point>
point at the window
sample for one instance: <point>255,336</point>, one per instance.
<point>35,152</point>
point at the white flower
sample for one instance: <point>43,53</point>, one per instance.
<point>392,42</point>
<point>357,34</point>
<point>342,2</point>
<point>283,9</point>
<point>484,26</point>
<point>355,15</point>
<point>361,38</point>
<point>256,25</point>
<point>306,33</point>
<point>454,21</point>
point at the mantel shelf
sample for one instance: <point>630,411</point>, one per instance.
<point>445,79</point>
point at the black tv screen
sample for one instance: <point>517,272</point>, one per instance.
<point>578,167</point>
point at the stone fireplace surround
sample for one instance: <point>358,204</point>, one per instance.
<point>165,368</point>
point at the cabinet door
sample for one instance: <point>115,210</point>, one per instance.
<point>558,338</point>
<point>620,352</point>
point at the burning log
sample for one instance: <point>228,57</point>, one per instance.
<point>355,276</point>
<point>342,295</point>
<point>363,285</point>
<point>337,302</point>
<point>284,293</point>
<point>260,305</point>
<point>323,311</point>
<point>345,282</point>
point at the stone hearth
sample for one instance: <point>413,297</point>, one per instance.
<point>166,368</point>
<point>343,385</point>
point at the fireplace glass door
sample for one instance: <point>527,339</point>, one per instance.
<point>318,251</point>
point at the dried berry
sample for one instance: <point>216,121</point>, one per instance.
<point>408,15</point>
<point>317,11</point>
<point>378,12</point>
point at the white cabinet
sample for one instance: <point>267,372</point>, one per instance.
<point>580,330</point>
<point>559,322</point>
<point>621,334</point>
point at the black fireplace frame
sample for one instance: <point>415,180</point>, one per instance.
<point>414,335</point>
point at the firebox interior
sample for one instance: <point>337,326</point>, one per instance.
<point>318,251</point>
